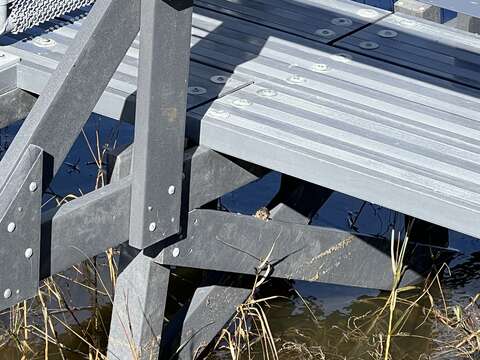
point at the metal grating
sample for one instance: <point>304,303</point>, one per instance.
<point>25,14</point>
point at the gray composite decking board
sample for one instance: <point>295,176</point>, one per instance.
<point>118,100</point>
<point>303,18</point>
<point>217,40</point>
<point>380,132</point>
<point>422,45</point>
<point>376,131</point>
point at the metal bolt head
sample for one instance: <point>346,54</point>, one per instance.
<point>219,79</point>
<point>196,90</point>
<point>171,190</point>
<point>408,23</point>
<point>11,227</point>
<point>176,252</point>
<point>266,93</point>
<point>7,293</point>
<point>152,227</point>
<point>28,253</point>
<point>320,67</point>
<point>218,114</point>
<point>342,57</point>
<point>367,13</point>
<point>325,32</point>
<point>240,103</point>
<point>387,33</point>
<point>33,186</point>
<point>44,42</point>
<point>369,45</point>
<point>341,21</point>
<point>296,79</point>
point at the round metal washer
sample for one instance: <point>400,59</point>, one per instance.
<point>240,103</point>
<point>319,68</point>
<point>219,79</point>
<point>341,21</point>
<point>325,32</point>
<point>218,114</point>
<point>367,13</point>
<point>11,227</point>
<point>408,23</point>
<point>196,90</point>
<point>33,186</point>
<point>44,42</point>
<point>342,57</point>
<point>152,227</point>
<point>7,293</point>
<point>369,45</point>
<point>387,33</point>
<point>266,93</point>
<point>296,79</point>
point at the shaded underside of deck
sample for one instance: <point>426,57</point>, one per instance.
<point>378,106</point>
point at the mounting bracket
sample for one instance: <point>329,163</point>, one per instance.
<point>20,213</point>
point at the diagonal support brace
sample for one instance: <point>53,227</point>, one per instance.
<point>237,243</point>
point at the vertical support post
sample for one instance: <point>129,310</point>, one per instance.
<point>138,310</point>
<point>165,31</point>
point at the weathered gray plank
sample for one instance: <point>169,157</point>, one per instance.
<point>240,244</point>
<point>320,20</point>
<point>400,153</point>
<point>421,45</point>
